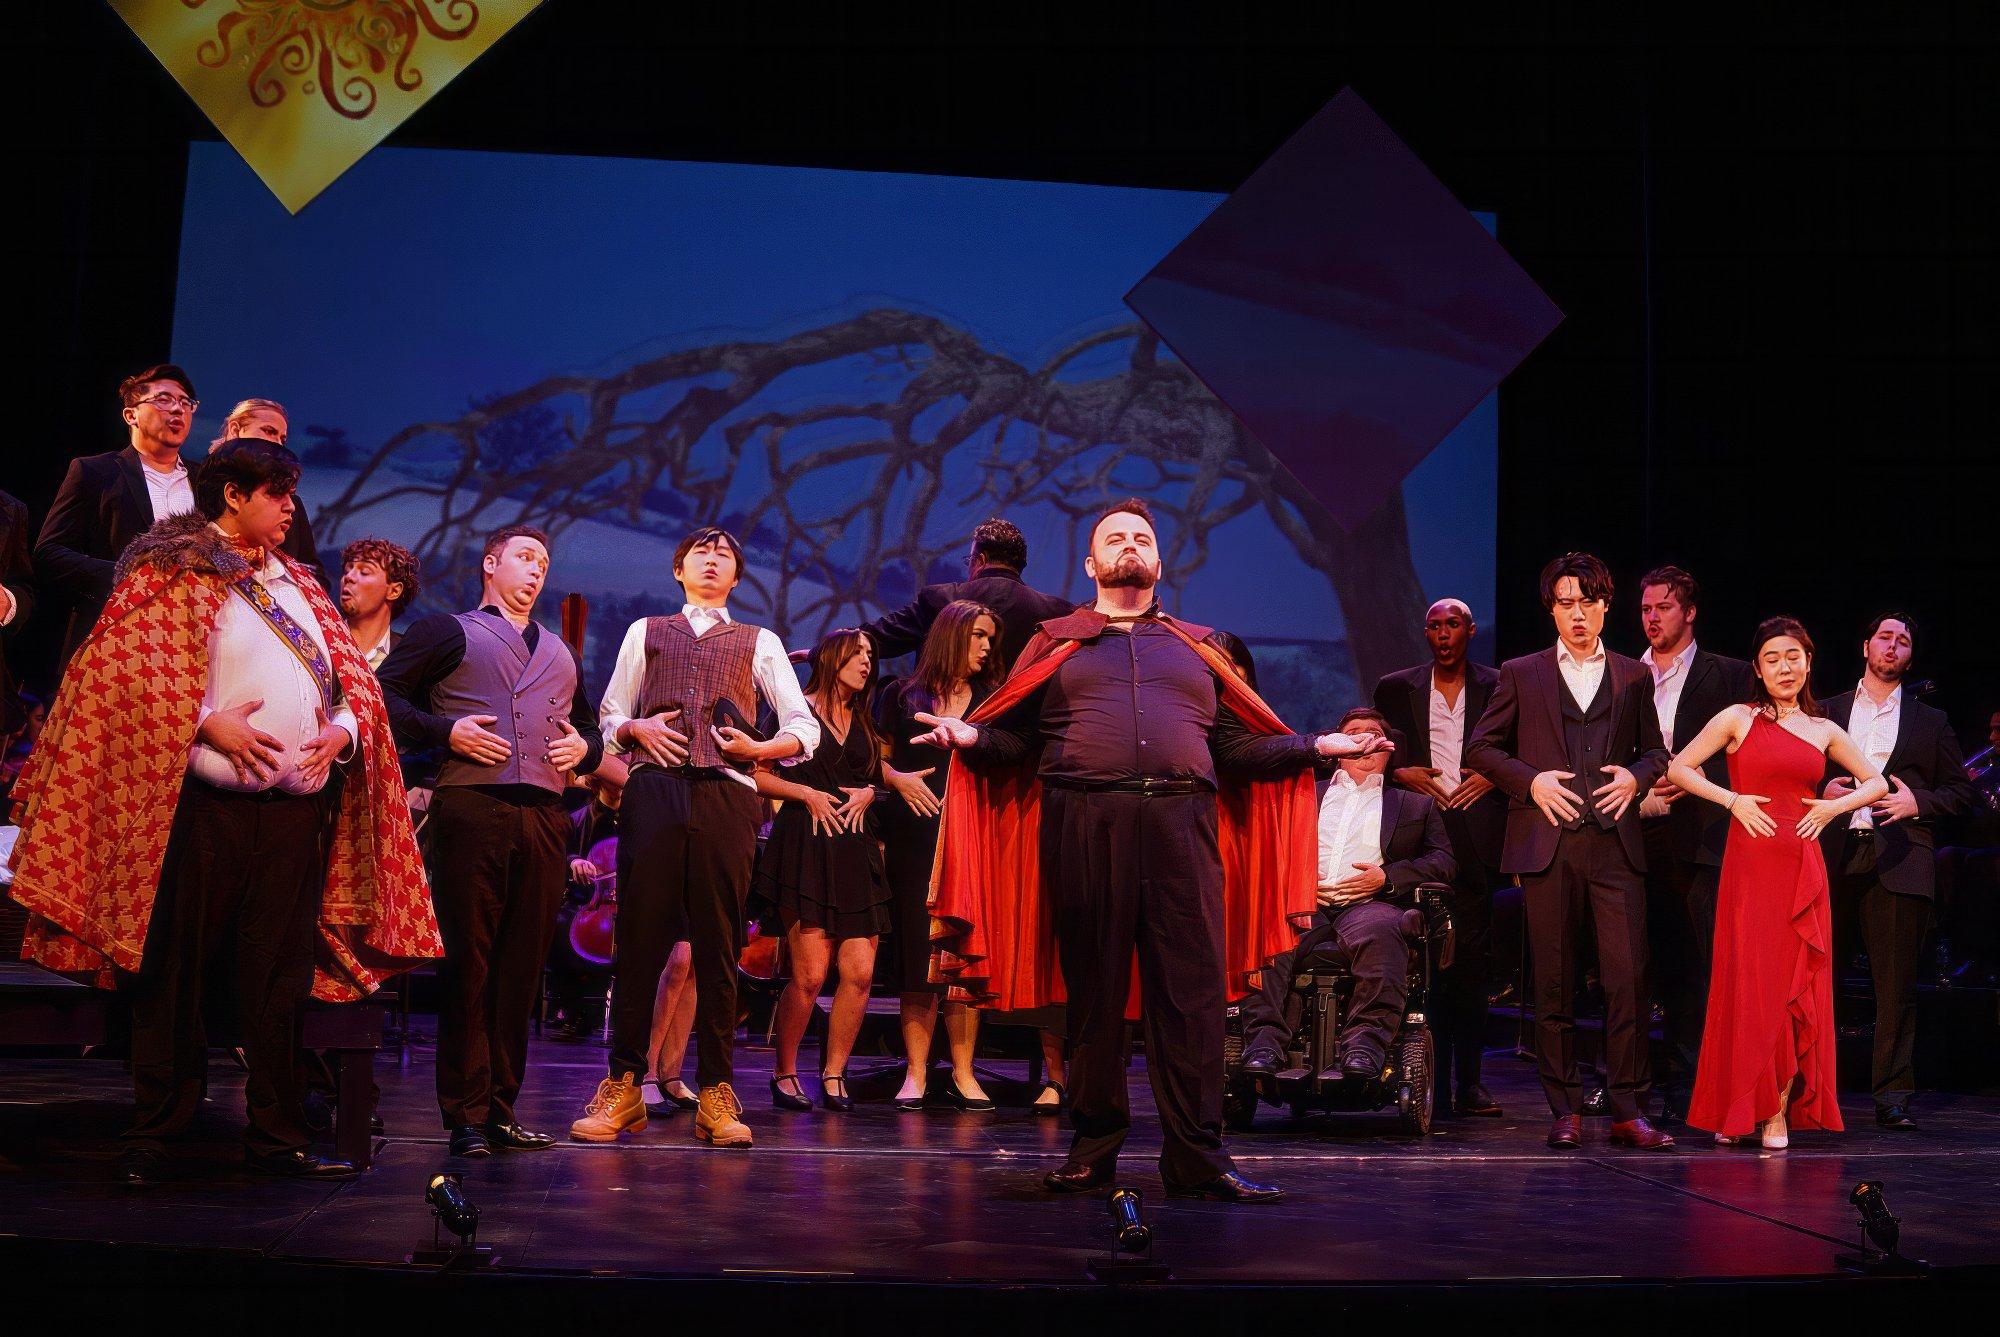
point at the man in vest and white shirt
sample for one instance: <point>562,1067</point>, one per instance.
<point>504,697</point>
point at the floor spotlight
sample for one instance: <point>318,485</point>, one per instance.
<point>1881,1230</point>
<point>1131,1258</point>
<point>452,1211</point>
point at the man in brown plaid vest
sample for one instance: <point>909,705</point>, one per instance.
<point>687,843</point>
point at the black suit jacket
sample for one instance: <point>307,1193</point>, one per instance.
<point>1521,735</point>
<point>1697,828</point>
<point>18,578</point>
<point>1403,697</point>
<point>1415,847</point>
<point>102,506</point>
<point>1020,606</point>
<point>1927,758</point>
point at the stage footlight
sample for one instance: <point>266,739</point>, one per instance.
<point>1132,1234</point>
<point>1881,1232</point>
<point>447,1201</point>
<point>452,1211</point>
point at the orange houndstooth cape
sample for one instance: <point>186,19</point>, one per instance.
<point>993,929</point>
<point>97,797</point>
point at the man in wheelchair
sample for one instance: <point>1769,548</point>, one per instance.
<point>1377,846</point>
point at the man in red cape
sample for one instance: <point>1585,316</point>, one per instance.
<point>161,829</point>
<point>1127,796</point>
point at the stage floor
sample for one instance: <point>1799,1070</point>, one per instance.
<point>940,1196</point>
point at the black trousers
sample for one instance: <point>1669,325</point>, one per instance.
<point>687,848</point>
<point>1591,878</point>
<point>497,869</point>
<point>1458,1002</point>
<point>1892,933</point>
<point>1140,871</point>
<point>1371,934</point>
<point>1680,929</point>
<point>239,895</point>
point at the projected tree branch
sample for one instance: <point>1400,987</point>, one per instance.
<point>854,481</point>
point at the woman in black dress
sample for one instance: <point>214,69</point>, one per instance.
<point>822,867</point>
<point>957,669</point>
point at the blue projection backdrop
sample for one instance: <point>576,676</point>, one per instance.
<point>849,369</point>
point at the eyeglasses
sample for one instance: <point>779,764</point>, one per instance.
<point>165,400</point>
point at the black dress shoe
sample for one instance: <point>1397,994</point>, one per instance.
<point>837,1101</point>
<point>781,1099</point>
<point>141,1167</point>
<point>1262,1061</point>
<point>958,1100</point>
<point>1231,1187</point>
<point>1068,1178</point>
<point>300,1164</point>
<point>375,1126</point>
<point>1896,1117</point>
<point>468,1140</point>
<point>1050,1109</point>
<point>1596,1104</point>
<point>1359,1064</point>
<point>1478,1103</point>
<point>513,1137</point>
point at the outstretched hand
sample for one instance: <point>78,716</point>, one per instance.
<point>946,731</point>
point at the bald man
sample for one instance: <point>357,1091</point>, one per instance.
<point>1431,708</point>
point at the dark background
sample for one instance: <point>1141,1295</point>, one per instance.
<point>1772,239</point>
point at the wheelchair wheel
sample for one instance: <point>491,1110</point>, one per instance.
<point>1415,1057</point>
<point>1239,1107</point>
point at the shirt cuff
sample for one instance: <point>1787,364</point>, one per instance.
<point>345,719</point>
<point>608,726</point>
<point>803,754</point>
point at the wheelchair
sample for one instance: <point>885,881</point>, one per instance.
<point>1317,1003</point>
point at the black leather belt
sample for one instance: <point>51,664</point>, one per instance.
<point>1146,786</point>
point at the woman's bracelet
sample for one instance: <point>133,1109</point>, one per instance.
<point>1730,805</point>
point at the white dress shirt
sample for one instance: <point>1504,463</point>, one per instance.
<point>1350,826</point>
<point>249,661</point>
<point>1668,683</point>
<point>1873,729</point>
<point>1583,675</point>
<point>1448,733</point>
<point>769,668</point>
<point>169,491</point>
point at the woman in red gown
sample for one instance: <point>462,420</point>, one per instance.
<point>1767,1048</point>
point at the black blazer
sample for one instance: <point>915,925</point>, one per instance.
<point>1521,735</point>
<point>1697,828</point>
<point>1415,848</point>
<point>18,578</point>
<point>1020,606</point>
<point>1403,697</point>
<point>1928,759</point>
<point>102,506</point>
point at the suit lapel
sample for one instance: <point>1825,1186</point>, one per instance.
<point>138,498</point>
<point>505,633</point>
<point>1699,670</point>
<point>1903,723</point>
<point>1392,809</point>
<point>1420,714</point>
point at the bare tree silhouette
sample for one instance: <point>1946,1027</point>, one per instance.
<point>1087,425</point>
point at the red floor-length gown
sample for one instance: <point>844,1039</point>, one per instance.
<point>1770,996</point>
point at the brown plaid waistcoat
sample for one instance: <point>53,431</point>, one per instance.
<point>694,673</point>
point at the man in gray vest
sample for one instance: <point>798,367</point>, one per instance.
<point>687,840</point>
<point>504,699</point>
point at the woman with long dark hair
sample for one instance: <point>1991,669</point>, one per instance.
<point>822,867</point>
<point>1767,1047</point>
<point>957,668</point>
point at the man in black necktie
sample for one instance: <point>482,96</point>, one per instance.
<point>1571,736</point>
<point>1883,860</point>
<point>1684,835</point>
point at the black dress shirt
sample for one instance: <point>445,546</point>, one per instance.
<point>426,655</point>
<point>1137,705</point>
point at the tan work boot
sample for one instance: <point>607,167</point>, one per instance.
<point>719,1121</point>
<point>616,1108</point>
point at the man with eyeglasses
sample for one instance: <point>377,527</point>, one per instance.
<point>108,500</point>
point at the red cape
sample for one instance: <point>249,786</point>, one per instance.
<point>993,929</point>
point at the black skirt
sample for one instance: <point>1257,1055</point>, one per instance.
<point>833,883</point>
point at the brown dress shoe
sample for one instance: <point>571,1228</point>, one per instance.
<point>719,1121</point>
<point>616,1108</point>
<point>1069,1178</point>
<point>1641,1134</point>
<point>1566,1133</point>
